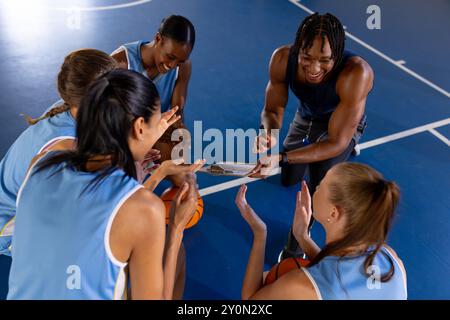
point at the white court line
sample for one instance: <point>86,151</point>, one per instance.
<point>101,8</point>
<point>382,55</point>
<point>369,144</point>
<point>440,137</point>
<point>402,134</point>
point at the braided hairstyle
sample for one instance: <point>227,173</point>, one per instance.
<point>325,25</point>
<point>52,112</point>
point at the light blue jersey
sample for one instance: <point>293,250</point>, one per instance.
<point>14,166</point>
<point>61,241</point>
<point>165,83</point>
<point>335,279</point>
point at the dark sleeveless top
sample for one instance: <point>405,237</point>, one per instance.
<point>317,101</point>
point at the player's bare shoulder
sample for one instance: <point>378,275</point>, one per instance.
<point>121,58</point>
<point>278,63</point>
<point>357,73</point>
<point>142,211</point>
<point>357,67</point>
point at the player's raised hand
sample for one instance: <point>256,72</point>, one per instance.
<point>177,167</point>
<point>168,118</point>
<point>303,212</point>
<point>254,221</point>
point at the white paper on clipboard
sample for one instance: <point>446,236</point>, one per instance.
<point>237,169</point>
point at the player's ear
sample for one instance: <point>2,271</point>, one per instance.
<point>158,39</point>
<point>138,128</point>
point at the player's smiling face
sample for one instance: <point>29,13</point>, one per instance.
<point>170,53</point>
<point>316,62</point>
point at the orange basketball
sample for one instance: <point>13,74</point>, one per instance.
<point>283,267</point>
<point>169,194</point>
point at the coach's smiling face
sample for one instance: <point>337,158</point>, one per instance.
<point>316,62</point>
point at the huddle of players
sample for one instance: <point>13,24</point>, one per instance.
<point>104,221</point>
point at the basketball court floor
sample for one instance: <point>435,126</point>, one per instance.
<point>408,110</point>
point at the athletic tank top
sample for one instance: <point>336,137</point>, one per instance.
<point>61,241</point>
<point>165,83</point>
<point>335,279</point>
<point>317,101</point>
<point>14,165</point>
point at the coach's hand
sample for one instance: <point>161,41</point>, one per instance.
<point>264,142</point>
<point>265,166</point>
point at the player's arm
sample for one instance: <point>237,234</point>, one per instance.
<point>294,285</point>
<point>138,236</point>
<point>121,58</point>
<point>276,96</point>
<point>180,90</point>
<point>352,87</point>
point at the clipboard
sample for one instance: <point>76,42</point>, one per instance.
<point>236,169</point>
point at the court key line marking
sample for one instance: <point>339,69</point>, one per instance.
<point>440,136</point>
<point>398,64</point>
<point>366,145</point>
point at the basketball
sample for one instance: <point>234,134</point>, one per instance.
<point>284,267</point>
<point>169,194</point>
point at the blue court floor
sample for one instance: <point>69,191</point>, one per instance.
<point>408,112</point>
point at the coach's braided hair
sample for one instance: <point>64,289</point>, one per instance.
<point>325,25</point>
<point>79,69</point>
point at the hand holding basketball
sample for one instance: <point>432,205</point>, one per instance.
<point>184,204</point>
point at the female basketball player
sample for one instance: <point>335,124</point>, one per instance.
<point>355,205</point>
<point>165,61</point>
<point>55,130</point>
<point>84,224</point>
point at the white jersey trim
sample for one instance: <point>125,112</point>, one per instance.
<point>25,181</point>
<point>52,141</point>
<point>126,55</point>
<point>316,287</point>
<point>109,225</point>
<point>120,286</point>
<point>400,267</point>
